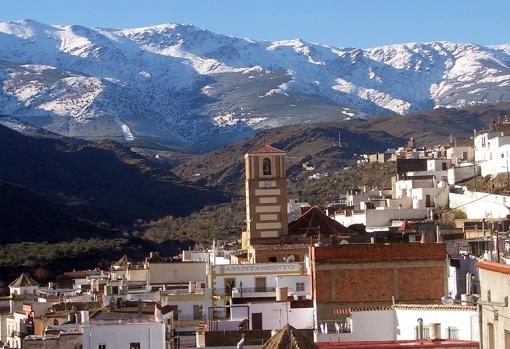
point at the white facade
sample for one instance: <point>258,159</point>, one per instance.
<point>215,256</point>
<point>380,217</point>
<point>150,334</point>
<point>438,165</point>
<point>424,192</point>
<point>492,151</point>
<point>479,205</point>
<point>15,326</point>
<point>371,325</point>
<point>462,173</point>
<point>259,279</point>
<point>400,323</point>
<point>495,286</point>
<point>275,314</point>
<point>460,154</point>
<point>176,272</point>
<point>456,323</point>
<point>192,305</point>
<point>488,144</point>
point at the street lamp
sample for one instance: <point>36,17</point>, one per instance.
<point>479,304</point>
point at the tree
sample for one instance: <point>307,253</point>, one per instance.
<point>41,274</point>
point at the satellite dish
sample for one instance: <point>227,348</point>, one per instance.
<point>290,259</point>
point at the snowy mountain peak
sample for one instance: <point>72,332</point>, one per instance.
<point>179,83</point>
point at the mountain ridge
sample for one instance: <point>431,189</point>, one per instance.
<point>189,87</point>
<point>316,144</point>
<point>79,189</point>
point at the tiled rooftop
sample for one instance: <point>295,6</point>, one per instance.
<point>435,307</point>
<point>266,149</point>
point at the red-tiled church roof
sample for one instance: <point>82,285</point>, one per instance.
<point>289,338</point>
<point>265,149</point>
<point>313,221</point>
<point>24,280</point>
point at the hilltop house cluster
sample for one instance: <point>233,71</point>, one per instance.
<point>370,271</point>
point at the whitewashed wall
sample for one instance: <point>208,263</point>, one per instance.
<point>465,321</point>
<point>150,335</point>
<point>459,174</point>
<point>274,315</point>
<point>375,325</point>
<point>485,206</point>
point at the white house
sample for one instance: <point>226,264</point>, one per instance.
<point>462,172</point>
<point>273,315</point>
<point>412,197</point>
<point>495,288</point>
<point>259,279</point>
<point>23,285</point>
<point>492,151</point>
<point>479,205</point>
<point>461,153</point>
<point>105,330</point>
<point>400,322</point>
<point>123,330</point>
<point>457,321</point>
<point>189,304</point>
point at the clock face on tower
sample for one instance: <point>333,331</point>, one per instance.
<point>267,184</point>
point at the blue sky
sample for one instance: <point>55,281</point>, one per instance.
<point>355,23</point>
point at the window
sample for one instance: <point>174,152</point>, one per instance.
<point>300,287</point>
<point>426,334</point>
<point>260,284</point>
<point>507,339</point>
<point>266,167</point>
<point>197,311</point>
<point>272,259</point>
<point>453,332</point>
<point>101,346</point>
<point>134,345</point>
<point>490,331</point>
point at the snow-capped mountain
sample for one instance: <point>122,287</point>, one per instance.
<point>179,84</point>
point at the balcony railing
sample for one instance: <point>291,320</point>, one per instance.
<point>254,289</point>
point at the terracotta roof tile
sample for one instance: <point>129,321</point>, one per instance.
<point>266,149</point>
<point>313,221</point>
<point>493,266</point>
<point>24,280</point>
<point>435,307</point>
<point>289,337</point>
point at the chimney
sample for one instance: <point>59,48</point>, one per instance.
<point>435,331</point>
<point>420,329</point>
<point>85,317</point>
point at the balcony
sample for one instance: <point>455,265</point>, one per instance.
<point>250,292</point>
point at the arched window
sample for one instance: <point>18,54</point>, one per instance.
<point>266,167</point>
